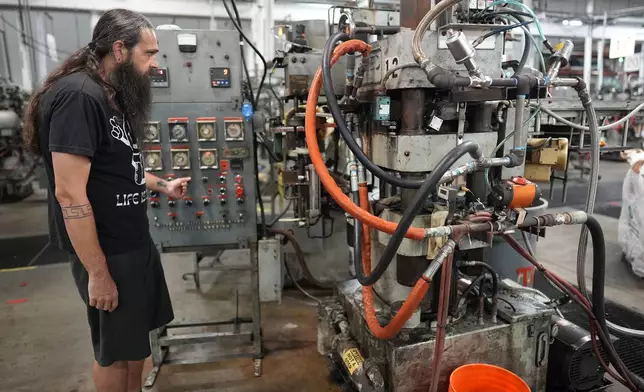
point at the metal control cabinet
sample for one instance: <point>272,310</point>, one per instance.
<point>197,130</point>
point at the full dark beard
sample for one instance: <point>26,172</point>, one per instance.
<point>133,95</point>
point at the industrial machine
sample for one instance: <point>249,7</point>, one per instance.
<point>17,165</point>
<point>426,154</point>
<point>200,127</point>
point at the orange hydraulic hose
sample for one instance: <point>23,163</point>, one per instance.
<point>409,306</point>
<point>345,202</point>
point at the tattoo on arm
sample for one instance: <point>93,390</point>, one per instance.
<point>77,212</point>
<point>161,184</point>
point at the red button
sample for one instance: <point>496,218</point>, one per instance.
<point>199,214</point>
<point>239,191</point>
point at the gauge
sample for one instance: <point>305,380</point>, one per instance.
<point>179,132</point>
<point>151,132</point>
<point>180,159</point>
<point>152,161</point>
<point>206,131</point>
<point>208,158</point>
<point>234,131</point>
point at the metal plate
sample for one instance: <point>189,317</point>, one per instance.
<point>421,153</point>
<point>300,68</point>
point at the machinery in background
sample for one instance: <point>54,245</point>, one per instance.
<point>427,297</point>
<point>200,127</point>
<point>17,165</point>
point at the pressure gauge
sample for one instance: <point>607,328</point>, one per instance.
<point>234,131</point>
<point>178,132</point>
<point>206,128</point>
<point>208,159</point>
<point>151,132</point>
<point>152,160</point>
<point>180,159</point>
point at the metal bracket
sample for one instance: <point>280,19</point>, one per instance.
<point>462,107</point>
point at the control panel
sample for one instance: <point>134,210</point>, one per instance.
<point>197,130</point>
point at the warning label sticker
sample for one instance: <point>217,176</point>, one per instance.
<point>352,359</point>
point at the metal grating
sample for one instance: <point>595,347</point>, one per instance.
<point>630,349</point>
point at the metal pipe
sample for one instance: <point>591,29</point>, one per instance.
<point>378,30</point>
<point>519,134</point>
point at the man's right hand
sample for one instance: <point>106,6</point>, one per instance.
<point>103,294</point>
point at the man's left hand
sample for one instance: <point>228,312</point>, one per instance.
<point>176,189</point>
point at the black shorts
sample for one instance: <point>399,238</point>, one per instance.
<point>144,305</point>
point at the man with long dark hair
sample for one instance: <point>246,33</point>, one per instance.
<point>86,122</point>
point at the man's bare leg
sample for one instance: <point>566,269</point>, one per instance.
<point>111,378</point>
<point>134,376</point>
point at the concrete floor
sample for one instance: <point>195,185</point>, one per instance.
<point>44,341</point>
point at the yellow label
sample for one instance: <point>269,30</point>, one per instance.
<point>352,359</point>
<point>559,46</point>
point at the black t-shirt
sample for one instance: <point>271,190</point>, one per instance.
<point>75,118</point>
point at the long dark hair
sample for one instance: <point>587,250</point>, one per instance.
<point>114,25</point>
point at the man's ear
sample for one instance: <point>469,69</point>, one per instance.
<point>120,51</point>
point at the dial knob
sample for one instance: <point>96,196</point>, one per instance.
<point>222,178</point>
<point>171,203</point>
<point>222,202</point>
<point>206,202</point>
<point>154,204</point>
<point>204,179</point>
<point>240,200</point>
<point>188,202</point>
<point>154,194</point>
<point>222,191</point>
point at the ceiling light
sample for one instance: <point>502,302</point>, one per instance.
<point>576,23</point>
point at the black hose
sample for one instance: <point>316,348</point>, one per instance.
<point>478,280</point>
<point>526,46</point>
<point>243,58</point>
<point>276,219</point>
<point>414,208</point>
<point>259,54</point>
<point>495,278</point>
<point>301,258</point>
<point>341,124</point>
<point>597,297</point>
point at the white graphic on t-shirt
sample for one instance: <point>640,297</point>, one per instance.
<point>127,199</point>
<point>122,132</point>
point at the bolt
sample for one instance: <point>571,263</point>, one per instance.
<point>407,153</point>
<point>303,60</point>
<point>531,330</point>
<point>226,57</point>
<point>294,60</point>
